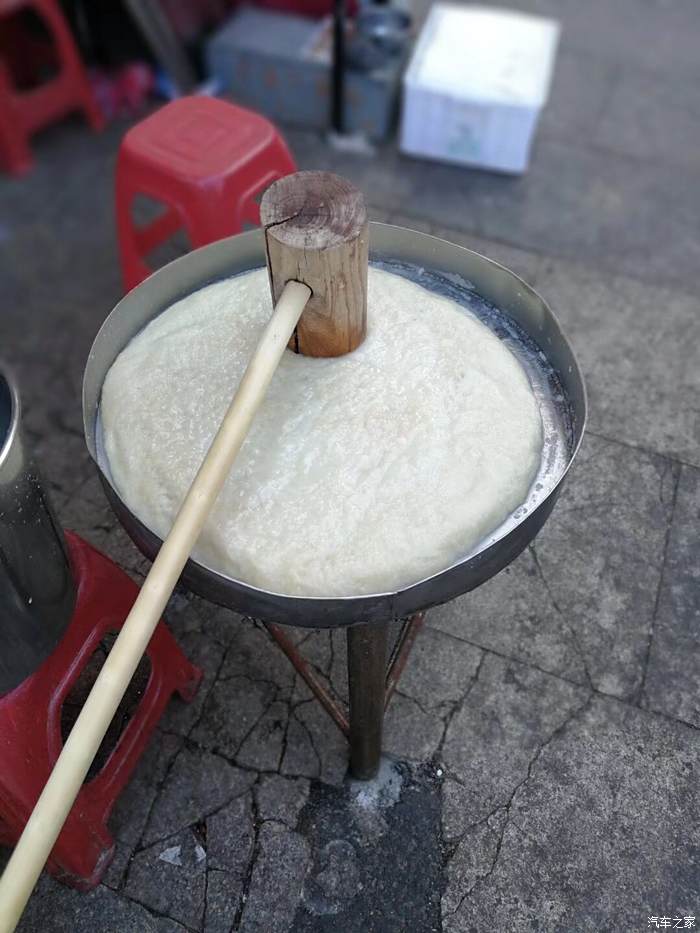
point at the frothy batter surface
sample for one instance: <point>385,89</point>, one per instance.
<point>361,474</point>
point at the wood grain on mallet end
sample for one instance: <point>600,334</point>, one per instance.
<point>316,232</point>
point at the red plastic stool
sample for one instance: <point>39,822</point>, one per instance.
<point>30,720</point>
<point>24,112</point>
<point>207,161</point>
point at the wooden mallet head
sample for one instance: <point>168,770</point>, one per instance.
<point>316,232</point>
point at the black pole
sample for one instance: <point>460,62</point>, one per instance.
<point>338,77</point>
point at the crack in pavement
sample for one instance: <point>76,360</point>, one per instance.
<point>572,632</point>
<point>426,712</point>
<point>274,699</point>
<point>625,701</point>
<point>506,807</point>
<point>161,784</point>
<point>245,887</point>
<point>458,705</point>
<point>157,914</point>
<point>285,734</point>
<point>308,732</point>
<point>202,817</point>
<point>640,696</point>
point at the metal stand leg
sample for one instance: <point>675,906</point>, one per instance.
<point>367,644</point>
<point>371,684</point>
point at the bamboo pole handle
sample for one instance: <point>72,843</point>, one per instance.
<point>69,772</point>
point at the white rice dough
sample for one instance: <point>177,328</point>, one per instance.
<point>361,474</point>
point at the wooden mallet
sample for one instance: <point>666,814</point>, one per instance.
<point>316,239</point>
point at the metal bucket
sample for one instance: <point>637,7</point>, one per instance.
<point>506,304</point>
<point>37,591</point>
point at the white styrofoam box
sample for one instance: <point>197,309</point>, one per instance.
<point>476,83</point>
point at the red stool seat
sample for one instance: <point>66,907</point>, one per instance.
<point>30,720</point>
<point>23,112</point>
<point>208,162</point>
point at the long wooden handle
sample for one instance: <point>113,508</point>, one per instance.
<point>69,772</point>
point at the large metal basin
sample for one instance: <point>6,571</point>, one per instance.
<point>522,319</point>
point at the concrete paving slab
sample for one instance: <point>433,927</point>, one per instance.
<point>580,602</point>
<point>220,731</point>
<point>411,732</point>
<point>230,833</point>
<point>637,346</point>
<point>277,879</point>
<point>581,86</point>
<point>196,785</point>
<point>628,33</point>
<point>170,878</point>
<point>439,669</point>
<point>508,714</point>
<point>672,684</point>
<point>652,118</point>
<point>132,810</point>
<point>281,799</point>
<point>58,909</point>
<point>585,841</point>
<point>223,902</point>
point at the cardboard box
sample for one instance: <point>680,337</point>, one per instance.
<point>475,86</point>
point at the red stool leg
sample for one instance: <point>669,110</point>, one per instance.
<point>14,143</point>
<point>136,242</point>
<point>73,79</point>
<point>134,269</point>
<point>158,231</point>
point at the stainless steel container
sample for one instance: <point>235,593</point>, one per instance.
<point>37,592</point>
<point>506,304</point>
